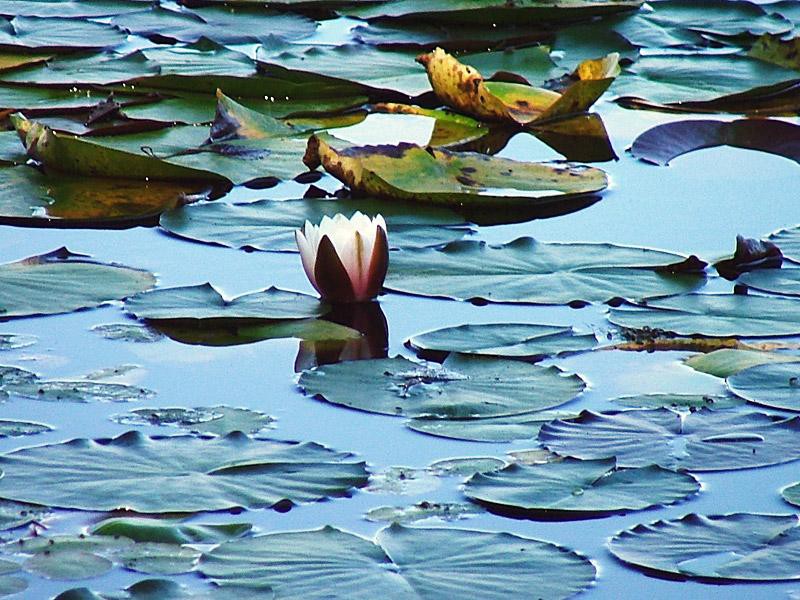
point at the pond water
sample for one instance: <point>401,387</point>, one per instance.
<point>697,205</point>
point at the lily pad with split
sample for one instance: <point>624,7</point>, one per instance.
<point>423,563</point>
<point>192,474</point>
<point>462,387</point>
<point>61,281</point>
<point>575,488</point>
<point>528,271</point>
<point>737,546</point>
<point>412,173</point>
<point>703,440</point>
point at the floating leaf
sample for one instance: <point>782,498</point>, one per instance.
<point>192,474</point>
<point>530,12</point>
<point>464,467</point>
<point>704,440</point>
<point>463,386</point>
<point>17,514</point>
<point>158,559</point>
<point>679,401</point>
<point>725,362</point>
<point>15,341</point>
<point>717,315</point>
<point>10,428</point>
<point>169,531</point>
<point>788,240</point>
<point>776,385</point>
<point>527,271</point>
<point>270,224</point>
<point>128,332</point>
<point>578,487</point>
<point>51,33</point>
<point>25,384</point>
<point>774,281</point>
<point>402,481</point>
<point>423,563</point>
<point>776,50</point>
<point>67,565</point>
<point>61,281</point>
<point>509,340</point>
<point>493,429</point>
<point>445,511</point>
<point>738,546</point>
<point>205,302</point>
<point>8,566</point>
<point>10,585</point>
<point>792,494</point>
<point>410,172</point>
<point>463,88</point>
<point>217,420</point>
<point>159,589</point>
<point>663,143</point>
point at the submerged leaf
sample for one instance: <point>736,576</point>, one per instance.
<point>216,420</point>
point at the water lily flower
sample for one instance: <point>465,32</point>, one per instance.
<point>345,259</point>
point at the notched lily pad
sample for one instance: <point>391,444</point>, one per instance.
<point>462,387</point>
<point>412,173</point>
<point>400,563</point>
<point>575,488</point>
<point>61,281</point>
<point>527,271</point>
<point>216,420</point>
<point>703,440</point>
<point>738,546</point>
<point>192,474</point>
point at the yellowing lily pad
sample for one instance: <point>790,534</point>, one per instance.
<point>410,172</point>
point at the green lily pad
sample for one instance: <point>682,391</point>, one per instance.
<point>464,467</point>
<point>703,440</point>
<point>529,12</point>
<point>34,33</point>
<point>527,271</point>
<point>61,281</point>
<point>427,36</point>
<point>727,361</point>
<point>680,401</point>
<point>147,589</point>
<point>509,340</point>
<point>18,514</point>
<point>738,546</point>
<point>663,143</point>
<point>423,563</point>
<point>26,384</point>
<point>788,240</point>
<point>205,302</point>
<point>585,487</point>
<point>28,197</point>
<point>11,428</point>
<point>785,282</point>
<point>714,315</point>
<point>10,585</point>
<point>9,566</point>
<point>103,68</point>
<point>69,8</point>
<point>775,385</point>
<point>412,173</point>
<point>492,429</point>
<point>15,341</point>
<point>463,386</point>
<point>128,332</point>
<point>155,558</point>
<point>216,420</point>
<point>192,474</point>
<point>170,531</point>
<point>65,565</point>
<point>792,494</point>
<point>444,511</point>
<point>233,332</point>
<point>270,224</point>
<point>402,481</point>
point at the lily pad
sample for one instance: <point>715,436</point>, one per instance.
<point>15,341</point>
<point>680,401</point>
<point>26,384</point>
<point>170,531</point>
<point>205,302</point>
<point>738,546</point>
<point>270,224</point>
<point>410,172</point>
<point>154,558</point>
<point>61,281</point>
<point>663,143</point>
<point>444,511</point>
<point>10,585</point>
<point>788,240</point>
<point>508,340</point>
<point>527,271</point>
<point>463,386</point>
<point>424,563</point>
<point>714,315</point>
<point>578,487</point>
<point>11,428</point>
<point>67,565</point>
<point>192,474</point>
<point>128,332</point>
<point>727,361</point>
<point>776,385</point>
<point>492,429</point>
<point>785,282</point>
<point>34,33</point>
<point>216,420</point>
<point>157,589</point>
<point>18,514</point>
<point>792,494</point>
<point>703,440</point>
